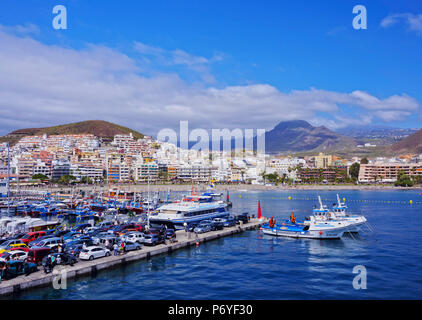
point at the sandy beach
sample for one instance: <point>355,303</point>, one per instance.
<point>219,187</point>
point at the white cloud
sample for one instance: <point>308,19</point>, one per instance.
<point>413,21</point>
<point>21,29</point>
<point>44,85</point>
<point>178,57</point>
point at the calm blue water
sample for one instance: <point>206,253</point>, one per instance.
<point>253,266</point>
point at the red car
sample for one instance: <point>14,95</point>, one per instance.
<point>35,255</point>
<point>139,227</point>
<point>31,236</point>
<point>26,249</point>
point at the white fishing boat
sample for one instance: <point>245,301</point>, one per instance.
<point>312,229</point>
<point>339,212</point>
<point>324,214</point>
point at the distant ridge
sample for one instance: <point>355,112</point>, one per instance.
<point>411,144</point>
<point>99,128</point>
<point>300,136</point>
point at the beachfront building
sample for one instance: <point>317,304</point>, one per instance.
<point>194,173</point>
<point>25,167</point>
<point>323,161</point>
<point>144,170</point>
<point>331,174</point>
<point>60,168</point>
<point>41,167</point>
<point>387,172</point>
<point>89,170</point>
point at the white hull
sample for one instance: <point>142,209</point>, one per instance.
<point>313,234</point>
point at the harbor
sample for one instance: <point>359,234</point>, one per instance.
<point>184,239</point>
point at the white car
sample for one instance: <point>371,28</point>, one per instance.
<point>94,252</point>
<point>134,237</point>
<point>14,255</point>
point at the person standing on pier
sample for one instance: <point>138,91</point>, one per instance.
<point>116,249</point>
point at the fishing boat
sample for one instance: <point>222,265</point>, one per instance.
<point>339,212</point>
<point>312,229</point>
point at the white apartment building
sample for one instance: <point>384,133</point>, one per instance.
<point>41,168</point>
<point>142,171</point>
<point>194,172</point>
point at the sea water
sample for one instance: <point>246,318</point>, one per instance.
<point>251,265</point>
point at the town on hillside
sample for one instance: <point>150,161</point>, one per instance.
<point>87,159</point>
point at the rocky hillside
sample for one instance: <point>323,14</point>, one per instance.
<point>299,136</point>
<point>99,128</point>
<point>411,144</point>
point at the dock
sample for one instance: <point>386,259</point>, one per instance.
<point>184,239</point>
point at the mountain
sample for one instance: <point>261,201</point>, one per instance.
<point>99,128</point>
<point>411,144</point>
<point>300,136</point>
<point>380,135</point>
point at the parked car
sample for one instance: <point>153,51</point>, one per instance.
<point>60,233</point>
<point>94,252</point>
<point>36,254</point>
<point>125,231</point>
<point>105,224</point>
<point>74,249</point>
<point>130,246</point>
<point>71,235</point>
<point>17,236</point>
<point>217,224</point>
<point>153,239</point>
<point>98,236</point>
<point>191,226</point>
<point>134,236</point>
<point>81,240</point>
<point>170,234</point>
<point>14,255</point>
<point>203,227</point>
<point>10,242</point>
<point>244,217</point>
<point>15,268</point>
<point>157,230</point>
<point>118,229</point>
<point>31,236</point>
<point>65,258</point>
<point>20,248</point>
<point>38,240</point>
<point>111,241</point>
<point>91,229</point>
<point>81,227</point>
<point>230,221</point>
<point>52,243</point>
<point>10,246</point>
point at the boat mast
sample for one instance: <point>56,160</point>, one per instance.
<point>8,177</point>
<point>320,202</point>
<point>149,201</point>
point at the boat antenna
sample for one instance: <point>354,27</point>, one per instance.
<point>8,177</point>
<point>320,202</point>
<point>338,200</point>
<point>149,201</point>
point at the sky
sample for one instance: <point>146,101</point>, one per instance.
<point>217,64</point>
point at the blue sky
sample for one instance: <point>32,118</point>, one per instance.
<point>212,62</point>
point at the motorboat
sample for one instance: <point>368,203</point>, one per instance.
<point>312,229</point>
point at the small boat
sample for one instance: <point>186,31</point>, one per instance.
<point>312,229</point>
<point>339,213</point>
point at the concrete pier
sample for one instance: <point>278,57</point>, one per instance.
<point>39,278</point>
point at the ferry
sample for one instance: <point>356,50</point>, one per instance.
<point>175,215</point>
